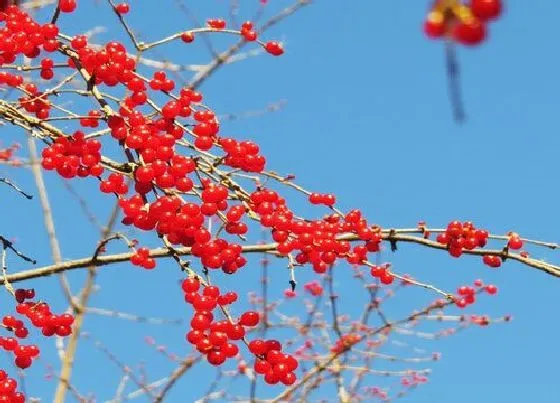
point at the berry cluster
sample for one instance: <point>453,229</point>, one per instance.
<point>216,23</point>
<point>15,325</point>
<point>316,241</point>
<point>462,236</point>
<point>345,342</point>
<point>109,66</point>
<point>7,154</point>
<point>24,354</point>
<point>35,102</point>
<point>244,155</point>
<point>73,156</point>
<point>21,35</point>
<point>114,184</point>
<point>92,120</point>
<point>142,258</point>
<point>274,48</point>
<point>413,380</point>
<point>464,23</point>
<point>8,389</point>
<point>247,31</point>
<point>466,295</point>
<point>182,223</point>
<point>314,288</point>
<point>40,315</point>
<point>319,198</point>
<point>271,362</point>
<point>382,273</point>
<point>210,337</point>
<point>149,140</point>
<point>289,293</point>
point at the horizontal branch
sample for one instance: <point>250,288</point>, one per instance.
<point>392,236</point>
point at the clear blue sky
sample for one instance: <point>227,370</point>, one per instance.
<point>367,117</point>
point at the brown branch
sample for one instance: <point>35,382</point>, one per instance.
<point>548,268</point>
<point>79,314</point>
<point>176,375</point>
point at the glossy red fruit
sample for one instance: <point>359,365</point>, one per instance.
<point>123,8</point>
<point>470,33</point>
<point>250,318</point>
<point>434,26</point>
<point>515,243</point>
<point>274,48</point>
<point>67,6</point>
<point>486,9</point>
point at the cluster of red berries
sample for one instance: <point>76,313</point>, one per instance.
<point>413,380</point>
<point>114,184</point>
<point>289,293</point>
<point>327,199</point>
<point>382,273</point>
<point>243,154</point>
<point>109,66</point>
<point>234,215</point>
<point>21,294</point>
<point>216,23</point>
<point>376,392</point>
<point>210,337</point>
<point>492,261</point>
<point>182,223</point>
<point>345,342</point>
<point>464,23</point>
<point>24,354</point>
<point>462,236</point>
<point>316,241</point>
<point>466,295</point>
<point>160,82</point>
<point>40,315</point>
<point>11,323</point>
<point>247,31</point>
<point>142,258</point>
<point>92,120</point>
<point>274,48</point>
<point>271,362</point>
<point>47,69</point>
<point>21,35</point>
<point>8,389</point>
<point>35,102</point>
<point>314,288</point>
<point>7,154</point>
<point>73,156</point>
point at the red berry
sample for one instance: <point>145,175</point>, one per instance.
<point>515,243</point>
<point>187,37</point>
<point>123,8</point>
<point>274,48</point>
<point>491,289</point>
<point>250,318</point>
<point>486,9</point>
<point>67,6</point>
<point>23,361</point>
<point>434,26</point>
<point>216,357</point>
<point>470,33</point>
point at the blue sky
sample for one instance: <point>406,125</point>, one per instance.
<point>367,117</point>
